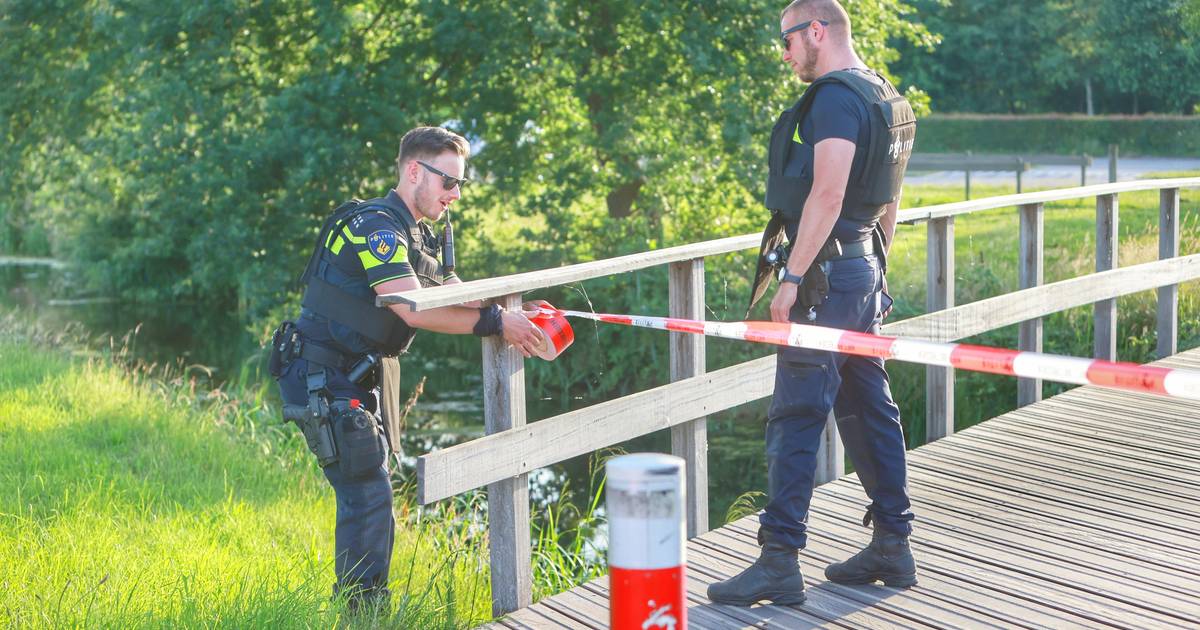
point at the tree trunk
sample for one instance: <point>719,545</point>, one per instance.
<point>1135,103</point>
<point>1087,87</point>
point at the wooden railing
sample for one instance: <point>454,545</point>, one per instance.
<point>503,459</point>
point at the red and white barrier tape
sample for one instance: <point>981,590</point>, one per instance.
<point>1050,367</point>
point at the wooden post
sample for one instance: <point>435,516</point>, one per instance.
<point>1031,264</point>
<point>1106,258</point>
<point>1083,170</point>
<point>690,439</point>
<point>508,500</point>
<point>1019,173</point>
<point>1113,150</point>
<point>831,455</point>
<point>1168,247</point>
<point>939,381</point>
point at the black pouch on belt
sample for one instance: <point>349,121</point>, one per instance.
<point>360,442</point>
<point>284,344</point>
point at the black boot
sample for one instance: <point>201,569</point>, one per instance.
<point>775,577</point>
<point>887,558</point>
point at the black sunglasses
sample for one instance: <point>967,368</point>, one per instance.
<point>783,37</point>
<point>448,181</point>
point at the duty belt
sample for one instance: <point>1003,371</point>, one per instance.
<point>856,249</point>
<point>326,357</point>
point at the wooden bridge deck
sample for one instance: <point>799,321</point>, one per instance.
<point>1077,511</point>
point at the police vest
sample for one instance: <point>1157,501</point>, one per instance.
<point>893,127</point>
<point>347,299</point>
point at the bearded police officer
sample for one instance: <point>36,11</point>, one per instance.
<point>331,362</point>
<point>837,161</point>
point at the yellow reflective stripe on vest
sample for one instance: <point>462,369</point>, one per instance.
<point>369,260</point>
<point>346,235</point>
<point>796,136</point>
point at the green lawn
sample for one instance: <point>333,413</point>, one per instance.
<point>127,501</point>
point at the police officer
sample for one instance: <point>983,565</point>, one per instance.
<point>836,164</point>
<point>330,361</point>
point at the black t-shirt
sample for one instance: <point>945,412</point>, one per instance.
<point>836,112</point>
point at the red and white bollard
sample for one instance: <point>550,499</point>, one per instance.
<point>646,538</point>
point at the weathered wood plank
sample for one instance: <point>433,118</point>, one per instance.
<point>996,527</point>
<point>1031,274</point>
<point>1168,296</point>
<point>1147,487</point>
<point>939,287</point>
<point>1091,533</point>
<point>1107,219</point>
<point>1012,308</point>
<point>928,213</point>
<point>1137,597</point>
<point>689,440</point>
<point>465,466</point>
<point>508,499</point>
<point>1041,507</point>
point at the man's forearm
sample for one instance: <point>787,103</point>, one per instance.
<point>816,223</point>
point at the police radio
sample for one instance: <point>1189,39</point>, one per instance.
<point>448,245</point>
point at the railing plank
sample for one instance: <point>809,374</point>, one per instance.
<point>1168,296</point>
<point>690,439</point>
<point>463,467</point>
<point>1105,321</point>
<point>508,498</point>
<point>831,454</point>
<point>1031,274</point>
<point>928,213</point>
<point>1011,308</point>
<point>939,286</point>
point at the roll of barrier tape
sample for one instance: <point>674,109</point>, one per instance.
<point>556,332</point>
<point>646,537</point>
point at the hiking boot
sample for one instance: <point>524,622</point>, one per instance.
<point>775,577</point>
<point>887,558</point>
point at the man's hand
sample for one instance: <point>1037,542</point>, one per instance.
<point>520,332</point>
<point>781,305</point>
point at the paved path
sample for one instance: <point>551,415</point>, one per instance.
<point>1052,176</point>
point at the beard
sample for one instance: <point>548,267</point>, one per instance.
<point>808,71</point>
<point>427,201</point>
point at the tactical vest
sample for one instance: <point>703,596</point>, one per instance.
<point>893,127</point>
<point>346,300</point>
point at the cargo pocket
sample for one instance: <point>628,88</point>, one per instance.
<point>803,384</point>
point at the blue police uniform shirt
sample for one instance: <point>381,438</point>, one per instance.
<point>836,112</point>
<point>370,249</point>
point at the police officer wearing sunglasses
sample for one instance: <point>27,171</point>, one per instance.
<point>336,363</point>
<point>836,164</point>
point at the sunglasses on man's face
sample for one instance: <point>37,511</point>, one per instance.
<point>783,37</point>
<point>448,181</point>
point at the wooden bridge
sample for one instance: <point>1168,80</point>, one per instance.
<point>1077,511</point>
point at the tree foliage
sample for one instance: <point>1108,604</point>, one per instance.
<point>190,149</point>
<point>1133,56</point>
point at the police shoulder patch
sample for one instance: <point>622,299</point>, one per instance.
<point>382,244</point>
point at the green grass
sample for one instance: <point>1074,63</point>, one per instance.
<point>133,501</point>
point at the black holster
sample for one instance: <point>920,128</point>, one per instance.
<point>314,418</point>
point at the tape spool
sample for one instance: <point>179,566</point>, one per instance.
<point>555,331</point>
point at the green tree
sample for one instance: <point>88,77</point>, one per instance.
<point>188,150</point>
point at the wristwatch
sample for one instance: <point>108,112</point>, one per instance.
<point>785,276</point>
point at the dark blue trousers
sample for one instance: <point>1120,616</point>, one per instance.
<point>808,383</point>
<point>365,530</point>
